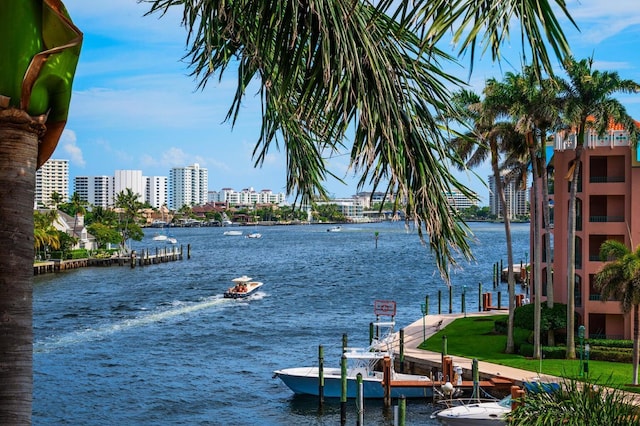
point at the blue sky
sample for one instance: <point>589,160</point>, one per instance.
<point>135,106</point>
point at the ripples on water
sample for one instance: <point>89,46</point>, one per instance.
<point>159,345</point>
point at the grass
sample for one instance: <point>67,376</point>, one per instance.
<point>475,337</point>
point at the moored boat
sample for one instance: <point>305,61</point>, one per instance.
<point>476,413</point>
<point>243,287</point>
<point>305,380</point>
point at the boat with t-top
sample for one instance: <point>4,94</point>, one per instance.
<point>364,361</point>
<point>243,287</point>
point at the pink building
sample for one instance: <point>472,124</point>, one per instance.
<point>607,208</point>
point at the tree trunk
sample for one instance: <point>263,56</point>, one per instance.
<point>636,345</point>
<point>571,256</point>
<point>536,256</point>
<point>19,136</point>
<point>546,235</point>
<point>507,229</point>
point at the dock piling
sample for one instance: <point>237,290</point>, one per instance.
<point>320,376</point>
<point>343,390</point>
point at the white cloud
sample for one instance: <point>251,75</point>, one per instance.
<point>600,20</point>
<point>68,144</point>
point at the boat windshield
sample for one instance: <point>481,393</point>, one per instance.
<point>505,402</point>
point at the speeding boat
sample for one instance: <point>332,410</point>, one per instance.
<point>335,229</point>
<point>243,287</point>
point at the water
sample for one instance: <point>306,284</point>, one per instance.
<point>158,345</point>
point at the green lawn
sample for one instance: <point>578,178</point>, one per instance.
<point>474,337</point>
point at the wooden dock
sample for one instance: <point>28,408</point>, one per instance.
<point>144,258</point>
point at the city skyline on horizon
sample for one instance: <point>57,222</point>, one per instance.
<point>135,104</point>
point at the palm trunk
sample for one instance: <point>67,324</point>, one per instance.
<point>636,344</point>
<point>510,348</point>
<point>536,257</point>
<point>571,256</point>
<point>19,136</point>
<point>546,234</point>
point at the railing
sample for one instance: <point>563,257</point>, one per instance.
<point>606,179</point>
<point>603,219</point>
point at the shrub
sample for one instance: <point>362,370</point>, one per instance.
<point>501,326</point>
<point>611,343</point>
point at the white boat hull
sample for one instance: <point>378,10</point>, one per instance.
<point>475,414</point>
<point>304,380</point>
<point>251,287</point>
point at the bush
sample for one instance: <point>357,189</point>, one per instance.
<point>78,254</point>
<point>548,352</point>
<point>611,343</point>
<point>501,326</point>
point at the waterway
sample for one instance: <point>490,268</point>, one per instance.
<point>159,345</point>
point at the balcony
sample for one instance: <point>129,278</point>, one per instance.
<point>606,179</point>
<point>605,219</point>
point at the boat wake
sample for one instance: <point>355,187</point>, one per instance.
<point>91,334</point>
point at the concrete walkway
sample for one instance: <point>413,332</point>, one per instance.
<point>415,334</point>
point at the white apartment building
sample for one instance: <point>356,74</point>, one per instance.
<point>52,177</point>
<point>96,190</point>
<point>188,186</point>
<point>459,201</point>
<point>246,197</point>
<point>101,191</point>
<point>351,208</point>
<point>130,179</point>
<point>156,191</point>
<point>515,197</point>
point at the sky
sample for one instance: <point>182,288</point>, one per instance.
<point>135,105</point>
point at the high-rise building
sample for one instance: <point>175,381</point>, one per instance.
<point>156,191</point>
<point>458,201</point>
<point>515,197</point>
<point>188,186</point>
<point>102,190</point>
<point>246,197</point>
<point>95,190</point>
<point>130,179</point>
<point>52,177</point>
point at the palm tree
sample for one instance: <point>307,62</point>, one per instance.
<point>533,104</point>
<point>39,47</point>
<point>619,279</point>
<point>44,234</point>
<point>486,139</point>
<point>56,199</point>
<point>323,65</point>
<point>588,102</point>
<point>79,209</point>
<point>129,203</point>
<point>326,67</point>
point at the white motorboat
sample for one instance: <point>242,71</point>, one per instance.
<point>243,287</point>
<point>254,235</point>
<point>335,229</point>
<point>476,413</point>
<point>172,240</point>
<point>232,233</point>
<point>305,380</point>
